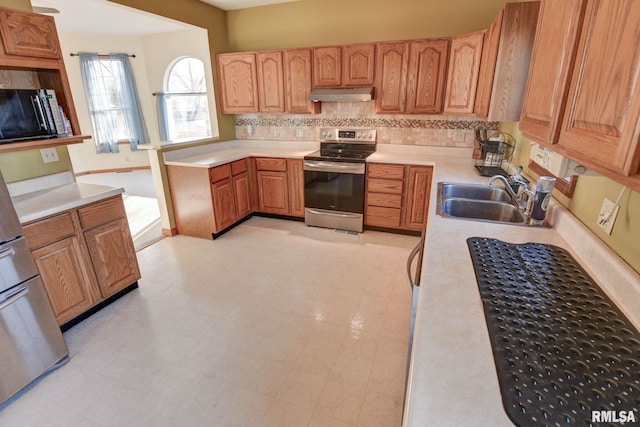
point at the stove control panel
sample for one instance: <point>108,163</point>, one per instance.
<point>348,135</point>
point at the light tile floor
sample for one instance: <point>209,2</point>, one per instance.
<point>272,324</point>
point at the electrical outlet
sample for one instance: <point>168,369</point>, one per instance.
<point>49,155</point>
<point>608,214</point>
<point>396,134</point>
<point>299,133</point>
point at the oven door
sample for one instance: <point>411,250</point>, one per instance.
<point>334,194</point>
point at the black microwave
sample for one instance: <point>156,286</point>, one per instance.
<point>29,114</point>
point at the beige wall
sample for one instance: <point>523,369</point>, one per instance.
<point>324,22</point>
<point>202,15</point>
<point>587,200</point>
<point>83,156</point>
<point>161,50</point>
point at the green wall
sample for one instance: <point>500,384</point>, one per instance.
<point>586,202</point>
<point>21,165</point>
<point>325,22</point>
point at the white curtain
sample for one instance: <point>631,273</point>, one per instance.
<point>113,102</point>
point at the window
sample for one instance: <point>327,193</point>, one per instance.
<point>113,101</point>
<point>184,109</point>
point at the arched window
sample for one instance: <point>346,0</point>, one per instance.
<point>186,110</point>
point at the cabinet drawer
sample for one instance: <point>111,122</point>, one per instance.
<point>219,173</point>
<point>382,217</point>
<point>239,166</point>
<point>267,164</point>
<point>47,231</point>
<point>379,170</point>
<point>101,212</point>
<point>384,186</point>
<point>386,200</point>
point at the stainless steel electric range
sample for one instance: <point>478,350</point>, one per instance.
<point>334,178</point>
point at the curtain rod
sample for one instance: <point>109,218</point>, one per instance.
<point>102,55</point>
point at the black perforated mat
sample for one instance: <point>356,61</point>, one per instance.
<point>562,349</point>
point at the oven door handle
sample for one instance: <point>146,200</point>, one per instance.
<point>329,213</point>
<point>337,167</point>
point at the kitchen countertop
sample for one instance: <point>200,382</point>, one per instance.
<point>453,380</point>
<point>39,204</point>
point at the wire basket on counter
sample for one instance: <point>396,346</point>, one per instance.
<point>490,153</point>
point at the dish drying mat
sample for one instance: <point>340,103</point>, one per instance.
<point>562,349</point>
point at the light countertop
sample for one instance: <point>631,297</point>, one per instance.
<point>39,204</point>
<point>453,379</point>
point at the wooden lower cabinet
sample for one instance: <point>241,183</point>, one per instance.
<point>223,203</point>
<point>280,185</point>
<point>295,174</point>
<point>83,256</point>
<point>242,193</point>
<point>113,256</point>
<point>397,196</point>
<point>273,192</point>
<point>66,278</point>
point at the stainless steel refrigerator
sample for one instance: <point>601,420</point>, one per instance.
<point>31,343</point>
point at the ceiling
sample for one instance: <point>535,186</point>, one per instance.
<point>242,4</point>
<point>105,17</point>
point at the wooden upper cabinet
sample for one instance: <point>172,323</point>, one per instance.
<point>426,75</point>
<point>297,76</point>
<point>603,105</point>
<point>392,61</point>
<point>238,80</point>
<point>357,64</point>
<point>270,81</point>
<point>327,66</point>
<point>343,66</point>
<point>552,61</point>
<point>462,77</point>
<point>506,55</point>
<point>488,60</point>
<point>29,34</point>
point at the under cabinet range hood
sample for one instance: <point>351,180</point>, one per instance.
<point>342,94</point>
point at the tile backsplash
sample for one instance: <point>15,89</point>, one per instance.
<point>431,130</point>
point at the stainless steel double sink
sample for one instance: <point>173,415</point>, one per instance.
<point>478,202</point>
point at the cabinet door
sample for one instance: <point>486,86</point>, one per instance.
<point>552,60</point>
<point>273,192</point>
<point>327,66</point>
<point>603,105</point>
<point>391,77</point>
<point>297,77</point>
<point>488,67</point>
<point>357,64</point>
<point>242,195</point>
<point>66,278</point>
<point>29,34</point>
<point>270,82</point>
<point>462,77</point>
<point>426,75</point>
<point>295,176</point>
<point>417,197</point>
<point>238,83</point>
<point>113,256</point>
<point>224,210</point>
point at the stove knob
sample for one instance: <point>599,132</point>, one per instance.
<point>360,134</point>
<point>370,135</point>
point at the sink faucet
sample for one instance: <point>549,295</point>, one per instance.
<point>518,198</point>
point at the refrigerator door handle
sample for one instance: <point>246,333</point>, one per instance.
<point>13,297</point>
<point>6,252</point>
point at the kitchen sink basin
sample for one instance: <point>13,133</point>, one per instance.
<point>475,191</point>
<point>478,202</point>
<point>483,210</point>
